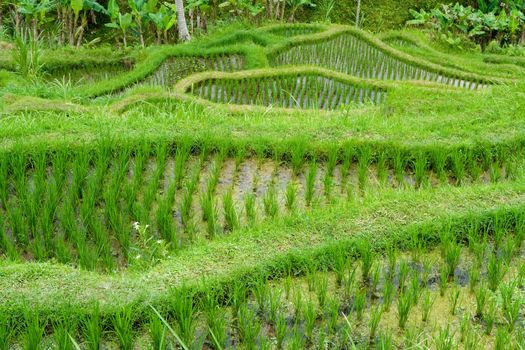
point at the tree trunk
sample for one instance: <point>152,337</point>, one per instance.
<point>141,35</point>
<point>181,22</point>
<point>357,14</point>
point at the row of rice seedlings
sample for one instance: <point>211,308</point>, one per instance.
<point>348,54</point>
<point>176,68</point>
<point>337,307</point>
<point>80,209</point>
<point>302,91</point>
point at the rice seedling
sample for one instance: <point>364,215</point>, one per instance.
<point>238,298</point>
<point>445,339</point>
<point>473,277</point>
<point>274,302</point>
<point>62,331</point>
<point>328,183</point>
<point>360,303</point>
<point>230,213</point>
<point>415,287</point>
<point>375,319</point>
<point>290,196</point>
<point>388,294</point>
<point>404,304</point>
<point>349,284</point>
<point>391,255</point>
<point>367,258</point>
<point>332,309</point>
<point>123,326</point>
<point>420,169</point>
<point>385,341</point>
<point>321,289</point>
<point>439,162</point>
<point>249,207</point>
<point>404,271</point>
<point>443,279</point>
<point>454,298</point>
<point>339,266</point>
<point>271,207</point>
<point>321,339</point>
<point>184,314</point>
<point>297,156</point>
<point>7,332</point>
<point>481,297</point>
<point>309,316</point>
<point>33,331</point>
<point>428,303</point>
<point>417,245</point>
<point>262,294</point>
<point>511,313</point>
<point>92,329</point>
<point>249,328</point>
<point>281,328</point>
<point>451,254</point>
<point>472,340</point>
<point>364,161</point>
<point>297,341</point>
<point>297,303</point>
<point>495,272</point>
<point>503,340</point>
<point>508,249</point>
<point>157,332</point>
<point>376,275</point>
<point>415,338</point>
<point>173,333</point>
<point>310,183</point>
<point>490,315</point>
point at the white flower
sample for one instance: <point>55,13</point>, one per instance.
<point>159,241</point>
<point>136,225</point>
<point>138,256</point>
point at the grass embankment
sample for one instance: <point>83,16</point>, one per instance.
<point>418,44</point>
<point>258,47</point>
<point>410,118</point>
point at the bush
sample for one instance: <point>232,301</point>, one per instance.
<point>503,24</point>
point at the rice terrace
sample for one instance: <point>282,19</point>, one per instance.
<point>262,174</point>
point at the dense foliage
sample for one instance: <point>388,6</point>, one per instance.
<point>503,23</point>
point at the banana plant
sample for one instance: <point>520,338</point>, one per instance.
<point>164,19</point>
<point>35,12</point>
<point>140,10</point>
<point>198,10</point>
<point>122,22</point>
<point>242,7</point>
<point>296,5</point>
<point>80,10</point>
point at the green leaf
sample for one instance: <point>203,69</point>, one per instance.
<point>77,6</point>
